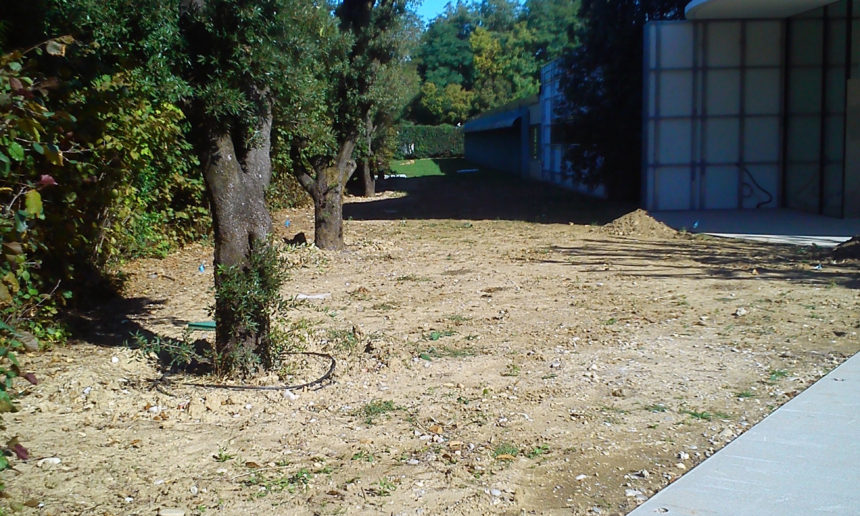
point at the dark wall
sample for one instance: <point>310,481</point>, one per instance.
<point>498,149</point>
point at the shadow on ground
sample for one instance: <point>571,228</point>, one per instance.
<point>719,259</point>
<point>484,195</point>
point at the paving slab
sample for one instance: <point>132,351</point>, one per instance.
<point>803,459</point>
<point>766,225</point>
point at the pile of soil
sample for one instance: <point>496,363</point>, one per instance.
<point>848,250</point>
<point>639,224</point>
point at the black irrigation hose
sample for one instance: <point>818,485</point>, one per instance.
<point>318,381</point>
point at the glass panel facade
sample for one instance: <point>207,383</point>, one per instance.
<point>821,55</point>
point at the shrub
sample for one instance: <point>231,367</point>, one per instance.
<point>429,141</point>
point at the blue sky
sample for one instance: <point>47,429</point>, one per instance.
<point>429,9</point>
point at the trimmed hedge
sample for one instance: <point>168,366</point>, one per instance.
<point>429,141</point>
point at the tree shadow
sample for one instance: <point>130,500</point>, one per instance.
<point>483,195</point>
<point>718,258</point>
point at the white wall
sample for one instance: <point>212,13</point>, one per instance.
<point>712,111</point>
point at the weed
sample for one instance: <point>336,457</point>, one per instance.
<point>777,374</point>
<point>445,351</point>
<point>705,415</point>
<point>377,408</point>
<point>548,376</point>
<point>744,394</point>
<point>343,339</point>
<point>435,335</point>
<point>511,370</point>
<point>363,456</point>
<point>384,306</point>
<point>411,277</point>
<point>222,455</point>
<point>268,485</point>
<point>457,318</point>
<point>657,407</point>
<point>610,321</point>
<point>506,451</point>
<point>384,487</point>
<point>175,353</point>
<point>246,298</point>
<point>537,451</point>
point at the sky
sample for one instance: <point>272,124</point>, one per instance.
<point>429,9</point>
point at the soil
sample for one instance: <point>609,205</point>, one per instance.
<point>501,347</point>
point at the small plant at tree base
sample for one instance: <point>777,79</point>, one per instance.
<point>175,353</point>
<point>247,299</point>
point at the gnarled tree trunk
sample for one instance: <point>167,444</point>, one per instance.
<point>237,171</point>
<point>326,189</point>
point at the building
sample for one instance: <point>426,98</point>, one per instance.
<point>504,138</point>
<point>754,104</point>
<point>520,137</point>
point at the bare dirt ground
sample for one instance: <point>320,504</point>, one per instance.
<point>501,348</point>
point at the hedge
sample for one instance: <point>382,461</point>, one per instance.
<point>429,141</point>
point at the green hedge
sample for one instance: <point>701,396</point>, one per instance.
<point>429,141</point>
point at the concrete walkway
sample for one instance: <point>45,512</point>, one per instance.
<point>803,459</point>
<point>766,225</point>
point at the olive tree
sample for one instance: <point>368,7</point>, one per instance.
<point>232,66</point>
<point>321,150</point>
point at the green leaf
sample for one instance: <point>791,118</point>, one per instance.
<point>20,222</point>
<point>33,203</point>
<point>38,148</point>
<point>16,152</point>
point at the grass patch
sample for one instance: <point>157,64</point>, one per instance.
<point>343,339</point>
<point>537,451</point>
<point>429,167</point>
<point>777,374</point>
<point>376,408</point>
<point>705,415</point>
<point>363,456</point>
<point>744,394</point>
<point>506,451</point>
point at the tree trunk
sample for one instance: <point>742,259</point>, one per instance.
<point>367,174</point>
<point>369,182</point>
<point>326,189</point>
<point>237,170</point>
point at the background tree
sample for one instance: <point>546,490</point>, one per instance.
<point>481,55</point>
<point>322,150</point>
<point>603,91</point>
<point>554,25</point>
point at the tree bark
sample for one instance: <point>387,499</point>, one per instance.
<point>366,172</point>
<point>237,171</point>
<point>326,189</point>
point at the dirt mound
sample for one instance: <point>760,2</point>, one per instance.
<point>848,250</point>
<point>639,224</point>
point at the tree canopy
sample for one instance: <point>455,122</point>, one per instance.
<point>478,56</point>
